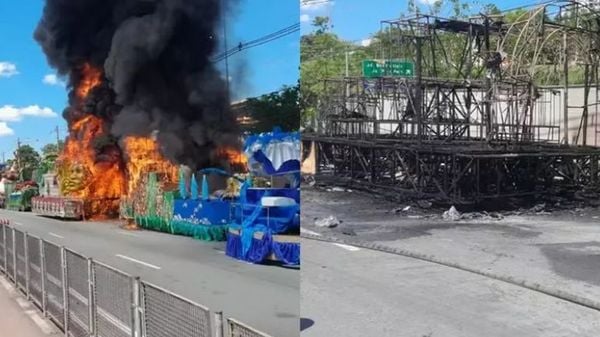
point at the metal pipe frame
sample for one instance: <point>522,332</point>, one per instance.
<point>489,132</point>
<point>458,174</point>
<point>384,107</point>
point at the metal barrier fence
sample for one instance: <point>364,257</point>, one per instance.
<point>239,329</point>
<point>184,319</point>
<point>77,282</point>
<point>10,256</point>
<point>20,262</point>
<point>113,293</point>
<point>2,250</point>
<point>54,296</point>
<point>34,260</point>
<point>86,298</point>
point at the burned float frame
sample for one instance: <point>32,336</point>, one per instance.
<point>487,132</point>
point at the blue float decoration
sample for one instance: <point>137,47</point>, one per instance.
<point>274,153</point>
<point>202,212</point>
<point>194,187</point>
<point>205,193</point>
<point>269,154</point>
<point>258,225</point>
<point>260,249</point>
<point>182,187</point>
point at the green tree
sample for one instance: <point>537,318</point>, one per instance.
<point>515,15</point>
<point>321,23</point>
<point>28,160</point>
<point>278,109</point>
<point>322,56</point>
<point>52,148</point>
<point>50,153</point>
<point>448,55</point>
<point>491,9</point>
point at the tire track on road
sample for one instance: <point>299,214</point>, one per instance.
<point>556,293</point>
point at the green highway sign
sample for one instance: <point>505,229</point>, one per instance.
<point>399,68</point>
<point>394,68</point>
<point>373,68</point>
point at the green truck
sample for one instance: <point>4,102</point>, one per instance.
<point>20,200</point>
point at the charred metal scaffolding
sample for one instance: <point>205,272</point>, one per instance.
<point>472,123</point>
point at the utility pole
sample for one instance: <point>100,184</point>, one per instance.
<point>586,93</point>
<point>18,159</point>
<point>488,85</point>
<point>226,56</point>
<point>57,139</point>
<point>347,68</point>
<point>348,53</point>
<point>226,60</point>
<point>417,104</point>
<point>566,88</point>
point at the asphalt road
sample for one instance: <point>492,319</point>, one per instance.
<point>264,297</point>
<point>354,292</point>
<point>557,250</point>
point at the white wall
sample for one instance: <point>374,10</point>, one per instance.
<point>548,110</point>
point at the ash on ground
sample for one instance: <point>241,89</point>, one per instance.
<point>354,202</point>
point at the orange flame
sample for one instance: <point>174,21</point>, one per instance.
<point>99,182</point>
<point>235,157</point>
<point>102,179</point>
<point>92,77</point>
<point>143,157</point>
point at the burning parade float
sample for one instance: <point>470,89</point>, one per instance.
<point>94,172</point>
<point>252,199</point>
<point>153,138</point>
<point>255,206</point>
<point>144,97</point>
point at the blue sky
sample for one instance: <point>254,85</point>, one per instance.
<point>32,99</point>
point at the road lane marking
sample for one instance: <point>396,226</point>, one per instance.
<point>138,261</point>
<point>56,235</point>
<point>18,224</point>
<point>347,247</point>
<point>308,231</point>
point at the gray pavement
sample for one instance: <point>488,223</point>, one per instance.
<point>356,293</point>
<point>264,297</point>
<point>19,318</point>
<point>558,250</point>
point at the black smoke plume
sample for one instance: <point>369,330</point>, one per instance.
<point>158,77</point>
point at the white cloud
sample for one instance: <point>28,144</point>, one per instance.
<point>314,5</point>
<point>8,69</point>
<point>52,79</point>
<point>304,18</point>
<point>366,42</point>
<point>428,2</point>
<point>9,113</point>
<point>5,130</point>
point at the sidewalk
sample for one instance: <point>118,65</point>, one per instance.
<point>20,318</point>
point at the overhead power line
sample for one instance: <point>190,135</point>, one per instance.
<point>258,42</point>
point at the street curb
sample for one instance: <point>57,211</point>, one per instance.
<point>559,294</point>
